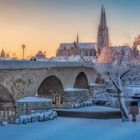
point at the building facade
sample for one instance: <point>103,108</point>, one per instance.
<point>76,48</point>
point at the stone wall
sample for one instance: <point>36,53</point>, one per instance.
<point>26,64</point>
<point>25,82</point>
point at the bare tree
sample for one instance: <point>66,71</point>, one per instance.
<point>116,70</point>
<point>116,74</point>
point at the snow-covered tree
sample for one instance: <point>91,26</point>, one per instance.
<point>117,69</point>
<point>116,73</point>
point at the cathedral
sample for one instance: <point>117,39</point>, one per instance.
<point>76,48</point>
<point>87,49</point>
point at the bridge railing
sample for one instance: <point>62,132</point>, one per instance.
<point>25,64</point>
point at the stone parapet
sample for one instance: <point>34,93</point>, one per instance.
<point>24,64</point>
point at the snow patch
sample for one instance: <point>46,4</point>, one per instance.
<point>34,99</point>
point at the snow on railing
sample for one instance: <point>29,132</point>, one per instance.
<point>25,64</point>
<point>37,117</point>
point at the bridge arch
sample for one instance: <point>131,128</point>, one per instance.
<point>51,87</point>
<point>81,81</point>
<point>7,105</point>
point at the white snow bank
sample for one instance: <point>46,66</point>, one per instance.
<point>34,99</point>
<point>82,104</point>
<point>35,117</point>
<point>76,58</point>
<point>74,89</point>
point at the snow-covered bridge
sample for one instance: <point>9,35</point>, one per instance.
<point>28,78</point>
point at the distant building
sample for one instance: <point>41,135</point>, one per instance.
<point>119,50</point>
<point>137,42</point>
<point>101,51</point>
<point>87,49</point>
<point>76,48</point>
<point>115,53</point>
<point>40,55</point>
<point>136,45</point>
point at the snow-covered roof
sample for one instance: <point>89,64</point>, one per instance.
<point>73,58</point>
<point>87,45</point>
<point>33,99</point>
<point>96,85</point>
<point>80,45</point>
<point>40,53</point>
<point>74,89</point>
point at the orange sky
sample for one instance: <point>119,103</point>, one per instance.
<point>43,26</point>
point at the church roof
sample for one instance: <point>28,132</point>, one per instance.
<point>80,45</point>
<point>40,53</point>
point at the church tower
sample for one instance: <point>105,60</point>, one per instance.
<point>103,36</point>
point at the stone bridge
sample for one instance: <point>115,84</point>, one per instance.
<point>28,78</point>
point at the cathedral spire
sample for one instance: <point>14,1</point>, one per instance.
<point>102,37</point>
<point>77,39</point>
<point>103,17</point>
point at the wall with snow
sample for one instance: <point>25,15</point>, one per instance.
<point>25,82</point>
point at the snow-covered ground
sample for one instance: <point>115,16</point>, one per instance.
<point>73,129</point>
<point>92,109</point>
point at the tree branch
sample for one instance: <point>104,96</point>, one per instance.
<point>115,84</point>
<point>125,73</point>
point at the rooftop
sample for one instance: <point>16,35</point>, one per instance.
<point>33,99</point>
<point>80,45</point>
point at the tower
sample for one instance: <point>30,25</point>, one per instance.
<point>102,37</point>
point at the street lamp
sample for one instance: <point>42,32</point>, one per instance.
<point>23,48</point>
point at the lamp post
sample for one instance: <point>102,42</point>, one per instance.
<point>23,48</point>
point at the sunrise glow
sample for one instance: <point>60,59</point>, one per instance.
<point>44,24</point>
